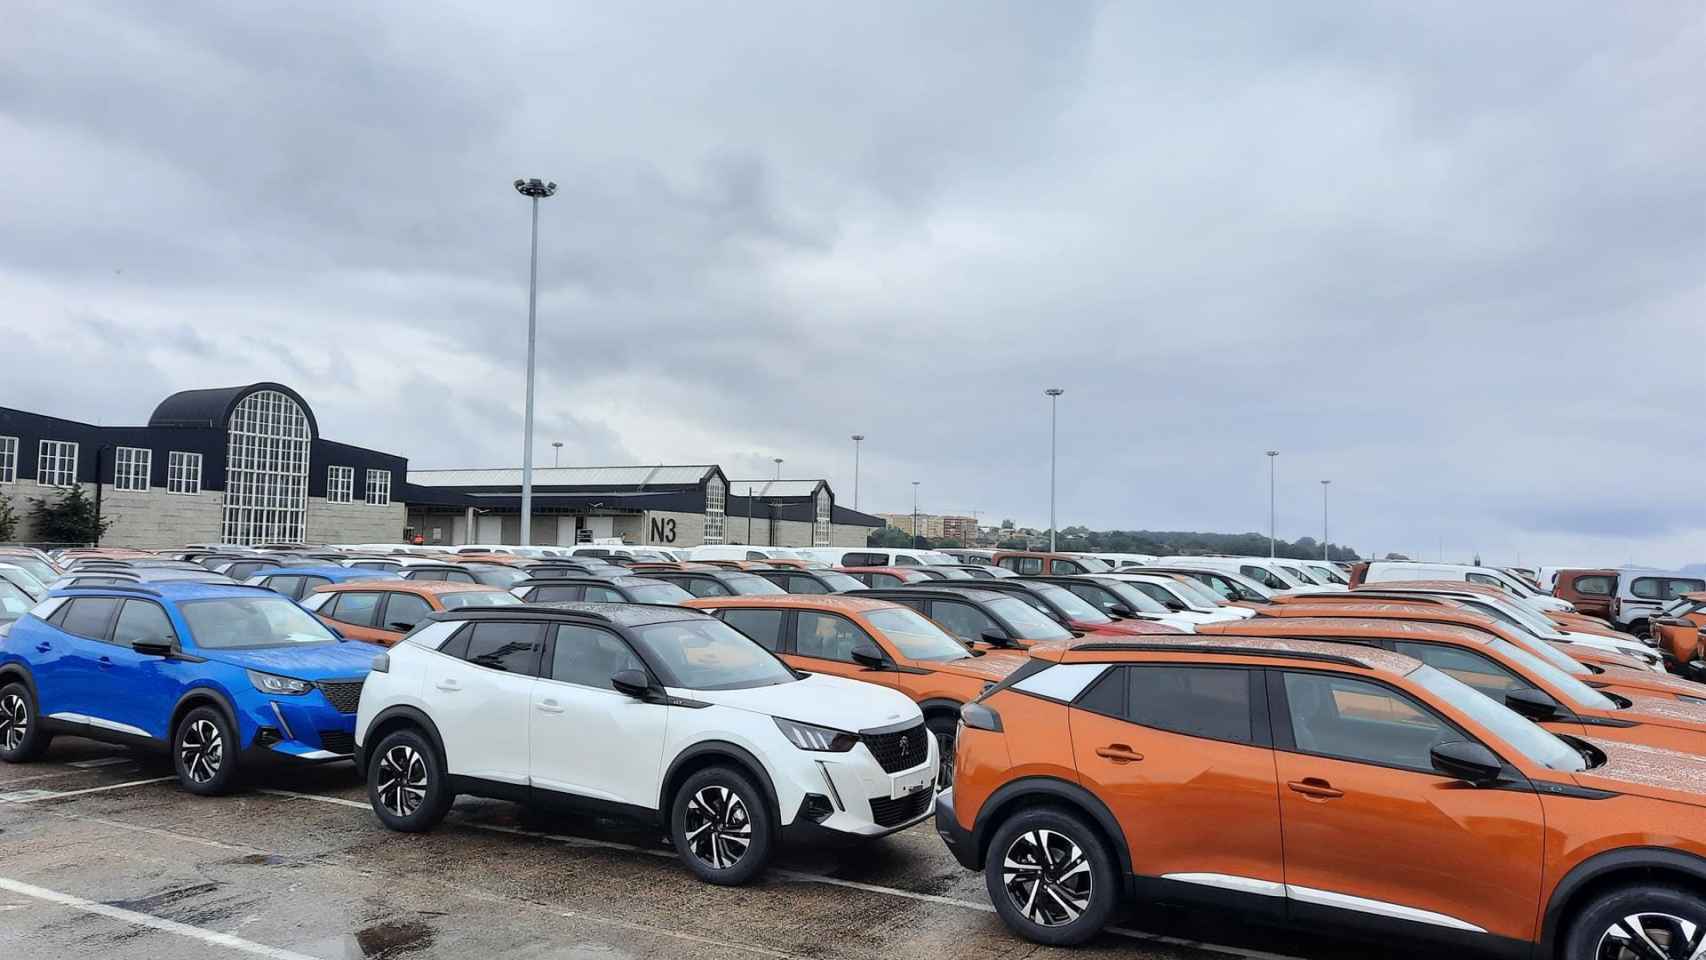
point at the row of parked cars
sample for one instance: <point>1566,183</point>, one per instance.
<point>1412,753</point>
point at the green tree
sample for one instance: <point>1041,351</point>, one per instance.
<point>70,519</point>
<point>890,537</point>
<point>8,519</point>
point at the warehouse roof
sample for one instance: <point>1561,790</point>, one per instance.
<point>607,477</point>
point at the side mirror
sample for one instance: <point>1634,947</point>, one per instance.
<point>399,626</point>
<point>996,639</point>
<point>866,654</point>
<point>1466,761</point>
<point>153,648</point>
<point>1532,704</point>
<point>1176,606</point>
<point>1121,610</point>
<point>633,683</point>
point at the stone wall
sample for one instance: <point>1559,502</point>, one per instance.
<point>354,522</point>
<point>151,519</point>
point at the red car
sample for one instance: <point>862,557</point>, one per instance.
<point>886,576</point>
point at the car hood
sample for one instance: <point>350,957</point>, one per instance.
<point>1641,650</point>
<point>1665,712</point>
<point>821,699</point>
<point>1648,772</point>
<point>315,661</point>
<point>993,666</point>
<point>1131,628</point>
<point>1627,679</point>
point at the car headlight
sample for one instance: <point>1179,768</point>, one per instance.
<point>808,736</point>
<point>283,686</point>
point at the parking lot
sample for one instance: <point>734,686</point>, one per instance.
<point>103,855</point>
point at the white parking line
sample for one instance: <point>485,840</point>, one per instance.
<point>36,796</point>
<point>151,922</point>
<point>799,877</point>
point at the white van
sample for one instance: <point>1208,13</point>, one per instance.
<point>1322,573</point>
<point>877,557</point>
<point>1387,571</point>
<point>1259,569</point>
<point>742,551</point>
<point>1120,561</point>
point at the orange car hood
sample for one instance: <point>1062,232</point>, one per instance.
<point>993,667</point>
<point>1658,684</point>
<point>1648,772</point>
<point>1666,712</point>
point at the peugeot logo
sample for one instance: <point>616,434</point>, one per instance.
<point>905,746</point>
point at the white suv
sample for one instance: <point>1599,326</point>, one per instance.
<point>655,712</point>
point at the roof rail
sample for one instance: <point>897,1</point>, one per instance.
<point>137,587</point>
<point>1231,651</point>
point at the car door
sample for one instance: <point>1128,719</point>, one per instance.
<point>824,642</point>
<point>587,739</point>
<point>965,621</point>
<point>1372,833</point>
<point>404,611</point>
<point>1590,592</point>
<point>481,694</point>
<point>290,586</point>
<point>1180,754</point>
<point>134,693</point>
<point>66,675</point>
<point>355,614</point>
<point>763,626</point>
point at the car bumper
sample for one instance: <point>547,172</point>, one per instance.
<point>863,799</point>
<point>960,841</point>
<point>300,729</point>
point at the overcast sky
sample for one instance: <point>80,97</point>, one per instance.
<point>1450,256</point>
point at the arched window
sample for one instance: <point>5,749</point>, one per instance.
<point>820,529</point>
<point>714,503</point>
<point>266,470</point>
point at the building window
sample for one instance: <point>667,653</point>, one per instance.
<point>8,459</point>
<point>131,467</point>
<point>340,484</point>
<point>183,472</point>
<point>56,463</point>
<point>266,470</point>
<point>820,529</point>
<point>714,503</point>
<point>378,488</point>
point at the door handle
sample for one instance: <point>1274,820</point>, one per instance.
<point>43,647</point>
<point>106,663</point>
<point>1118,753</point>
<point>550,706</point>
<point>448,685</point>
<point>1315,788</point>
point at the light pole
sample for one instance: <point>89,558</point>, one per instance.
<point>858,438</point>
<point>535,190</point>
<point>915,513</point>
<point>1324,485</point>
<point>556,453</point>
<point>1053,394</point>
<point>1272,550</point>
<point>778,467</point>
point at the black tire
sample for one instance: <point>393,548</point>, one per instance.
<point>406,782</point>
<point>1664,913</point>
<point>204,752</point>
<point>22,738</point>
<point>715,811</point>
<point>943,729</point>
<point>1071,897</point>
<point>1640,629</point>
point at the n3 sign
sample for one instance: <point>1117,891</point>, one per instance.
<point>663,530</point>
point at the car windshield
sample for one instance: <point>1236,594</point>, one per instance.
<point>839,582</point>
<point>1248,586</point>
<point>1534,621</point>
<point>1303,576</point>
<point>242,623</point>
<point>783,553</point>
<point>1031,623</point>
<point>1093,564</point>
<point>1075,608</point>
<point>934,559</point>
<point>1132,597</point>
<point>1576,692</point>
<point>497,576</point>
<point>38,569</point>
<point>1290,581</point>
<point>659,593</point>
<point>14,603</point>
<point>477,598</point>
<point>707,654</point>
<point>748,585</point>
<point>30,581</point>
<point>1527,738</point>
<point>916,637</point>
<point>1195,588</point>
<point>1328,575</point>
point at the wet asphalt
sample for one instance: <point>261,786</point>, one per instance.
<point>99,861</point>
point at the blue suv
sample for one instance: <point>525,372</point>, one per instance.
<point>219,675</point>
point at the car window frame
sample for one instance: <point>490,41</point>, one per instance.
<point>548,656</point>
<point>784,627</point>
<point>378,609</point>
<point>466,636</point>
<point>112,632</point>
<point>385,611</point>
<point>1261,727</point>
<point>1279,715</point>
<point>792,637</point>
<point>107,629</point>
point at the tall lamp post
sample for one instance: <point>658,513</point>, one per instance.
<point>534,190</point>
<point>556,453</point>
<point>858,438</point>
<point>915,513</point>
<point>1324,556</point>
<point>1272,539</point>
<point>778,467</point>
<point>1053,394</point>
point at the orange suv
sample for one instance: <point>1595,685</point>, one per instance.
<point>1321,785</point>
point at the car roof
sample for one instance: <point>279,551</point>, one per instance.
<point>625,614</point>
<point>408,586</point>
<point>595,582</point>
<point>328,570</point>
<point>1093,648</point>
<point>1353,627</point>
<point>940,589</point>
<point>838,602</point>
<point>177,590</point>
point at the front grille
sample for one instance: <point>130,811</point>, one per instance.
<point>337,741</point>
<point>345,695</point>
<point>892,813</point>
<point>902,750</point>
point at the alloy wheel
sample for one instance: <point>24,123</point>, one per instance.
<point>718,827</point>
<point>14,721</point>
<point>1048,877</point>
<point>202,750</point>
<point>1652,936</point>
<point>402,780</point>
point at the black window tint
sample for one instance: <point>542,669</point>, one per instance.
<point>457,576</point>
<point>763,626</point>
<point>510,647</point>
<point>883,580</point>
<point>90,616</point>
<point>457,646</point>
<point>289,586</point>
<point>404,610</point>
<point>590,656</point>
<point>1101,599</point>
<point>1211,702</point>
<point>1107,695</point>
<point>427,575</point>
<point>143,620</point>
<point>1067,566</point>
<point>803,584</point>
<point>1466,666</point>
<point>311,584</point>
<point>902,560</point>
<point>963,620</point>
<point>371,565</point>
<point>1353,719</point>
<point>356,609</point>
<point>864,560</point>
<point>704,587</point>
<point>556,594</point>
<point>604,595</point>
<point>755,555</point>
<point>826,636</point>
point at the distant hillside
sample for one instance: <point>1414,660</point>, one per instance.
<point>1695,569</point>
<point>1163,542</point>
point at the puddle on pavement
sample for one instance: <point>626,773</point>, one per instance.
<point>260,860</point>
<point>381,941</point>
